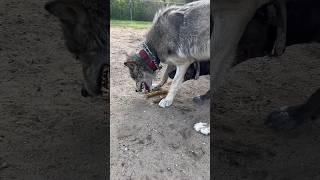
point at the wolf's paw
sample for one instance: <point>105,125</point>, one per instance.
<point>284,119</point>
<point>165,102</point>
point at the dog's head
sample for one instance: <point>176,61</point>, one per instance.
<point>139,73</point>
<point>85,31</point>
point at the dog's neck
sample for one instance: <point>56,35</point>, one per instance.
<point>148,55</point>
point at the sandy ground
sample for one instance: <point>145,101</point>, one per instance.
<point>245,149</point>
<point>148,142</point>
<point>47,130</point>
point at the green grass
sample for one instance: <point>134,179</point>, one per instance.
<point>131,24</point>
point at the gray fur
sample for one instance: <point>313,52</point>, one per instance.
<point>182,31</point>
<point>180,36</point>
<point>85,28</point>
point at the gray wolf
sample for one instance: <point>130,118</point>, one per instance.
<point>85,27</point>
<point>178,37</point>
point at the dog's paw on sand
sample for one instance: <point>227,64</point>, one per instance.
<point>166,102</point>
<point>203,128</point>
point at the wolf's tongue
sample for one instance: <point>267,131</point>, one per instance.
<point>145,87</point>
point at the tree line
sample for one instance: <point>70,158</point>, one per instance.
<point>140,10</point>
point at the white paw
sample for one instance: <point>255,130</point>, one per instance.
<point>204,128</point>
<point>165,102</point>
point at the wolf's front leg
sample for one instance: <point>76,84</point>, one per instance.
<point>164,78</point>
<point>176,84</point>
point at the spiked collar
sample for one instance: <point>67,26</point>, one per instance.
<point>148,55</point>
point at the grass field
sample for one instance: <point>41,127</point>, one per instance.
<point>131,24</point>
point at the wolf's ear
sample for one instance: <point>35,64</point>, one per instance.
<point>68,12</point>
<point>130,64</point>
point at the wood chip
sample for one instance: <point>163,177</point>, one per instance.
<point>157,93</point>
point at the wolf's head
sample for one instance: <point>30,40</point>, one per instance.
<point>85,28</point>
<point>140,73</point>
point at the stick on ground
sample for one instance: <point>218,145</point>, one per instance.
<point>157,93</point>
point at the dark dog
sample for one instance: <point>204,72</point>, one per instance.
<point>192,71</point>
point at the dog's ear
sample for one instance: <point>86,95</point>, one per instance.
<point>70,13</point>
<point>130,64</point>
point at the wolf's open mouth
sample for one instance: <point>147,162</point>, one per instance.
<point>104,80</point>
<point>145,88</point>
<point>101,82</point>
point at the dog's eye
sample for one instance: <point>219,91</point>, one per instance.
<point>169,51</point>
<point>132,76</point>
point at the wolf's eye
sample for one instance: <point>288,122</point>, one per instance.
<point>133,76</point>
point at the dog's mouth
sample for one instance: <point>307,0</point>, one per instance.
<point>100,81</point>
<point>144,87</point>
<point>101,84</point>
<point>104,80</point>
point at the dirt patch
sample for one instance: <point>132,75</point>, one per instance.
<point>149,142</point>
<point>47,130</point>
<point>243,147</point>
